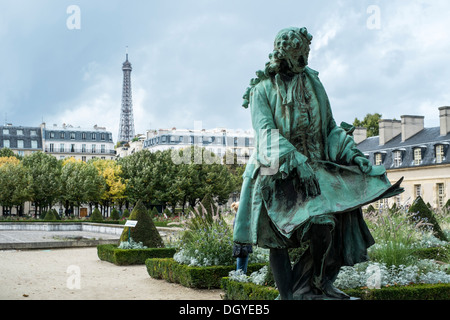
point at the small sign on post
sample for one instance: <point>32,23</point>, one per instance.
<point>130,224</point>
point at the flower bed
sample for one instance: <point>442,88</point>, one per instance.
<point>235,290</point>
<point>190,276</point>
<point>113,254</point>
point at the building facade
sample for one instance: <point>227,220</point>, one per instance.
<point>218,141</point>
<point>420,155</point>
<point>82,144</point>
<point>21,140</point>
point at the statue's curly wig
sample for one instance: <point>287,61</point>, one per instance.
<point>285,42</point>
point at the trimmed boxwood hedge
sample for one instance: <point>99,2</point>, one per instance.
<point>111,253</point>
<point>235,290</point>
<point>192,277</point>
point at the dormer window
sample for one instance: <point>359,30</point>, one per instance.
<point>397,158</point>
<point>378,159</point>
<point>439,153</point>
<point>417,156</point>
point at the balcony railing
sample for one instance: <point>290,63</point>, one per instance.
<point>80,151</point>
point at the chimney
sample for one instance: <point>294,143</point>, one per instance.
<point>360,134</point>
<point>389,129</point>
<point>444,117</point>
<point>411,125</point>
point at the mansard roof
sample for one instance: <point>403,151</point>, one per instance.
<point>426,139</point>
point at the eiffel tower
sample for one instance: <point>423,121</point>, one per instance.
<point>126,127</point>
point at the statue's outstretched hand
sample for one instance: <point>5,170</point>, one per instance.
<point>363,163</point>
<point>308,181</point>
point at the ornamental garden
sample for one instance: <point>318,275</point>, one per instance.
<point>410,260</point>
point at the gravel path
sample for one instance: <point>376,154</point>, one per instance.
<point>78,274</point>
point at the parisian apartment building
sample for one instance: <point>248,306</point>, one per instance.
<point>60,141</point>
<point>406,148</point>
<point>218,141</point>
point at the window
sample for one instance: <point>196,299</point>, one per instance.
<point>52,147</point>
<point>20,144</point>
<point>163,139</point>
<point>34,144</point>
<point>5,131</point>
<point>397,158</point>
<point>378,159</point>
<point>417,156</point>
<point>93,136</point>
<point>5,143</point>
<point>192,139</point>
<point>417,190</point>
<point>93,148</point>
<point>61,147</point>
<point>439,153</point>
<point>19,132</point>
<point>440,195</point>
<point>103,137</point>
<point>180,139</point>
<point>33,133</point>
<point>52,134</point>
<point>62,135</point>
<point>83,135</point>
<point>83,158</point>
<point>83,148</point>
<point>103,149</point>
<point>72,147</point>
<point>172,139</point>
<point>72,136</point>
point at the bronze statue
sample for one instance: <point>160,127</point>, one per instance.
<point>306,182</point>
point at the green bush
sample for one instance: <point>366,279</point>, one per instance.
<point>235,290</point>
<point>96,216</point>
<point>192,277</point>
<point>111,253</point>
<point>115,214</point>
<point>145,230</point>
<point>126,213</point>
<point>423,212</point>
<point>50,216</point>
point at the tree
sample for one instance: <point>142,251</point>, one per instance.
<point>14,186</point>
<point>80,183</point>
<point>114,187</point>
<point>45,173</point>
<point>137,171</point>
<point>370,122</point>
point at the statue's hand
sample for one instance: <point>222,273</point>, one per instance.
<point>363,163</point>
<point>308,181</point>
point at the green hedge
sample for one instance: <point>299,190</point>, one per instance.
<point>110,253</point>
<point>235,290</point>
<point>191,277</point>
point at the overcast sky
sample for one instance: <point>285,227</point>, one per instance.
<point>193,59</point>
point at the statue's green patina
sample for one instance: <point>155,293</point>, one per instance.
<point>306,181</point>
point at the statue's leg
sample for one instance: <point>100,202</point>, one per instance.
<point>282,272</point>
<point>320,245</point>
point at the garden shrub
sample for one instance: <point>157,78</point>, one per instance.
<point>145,230</point>
<point>50,216</point>
<point>190,276</point>
<point>96,216</point>
<point>423,212</point>
<point>115,214</point>
<point>111,253</point>
<point>126,213</point>
<point>235,290</point>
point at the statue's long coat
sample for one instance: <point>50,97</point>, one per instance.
<point>344,188</point>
